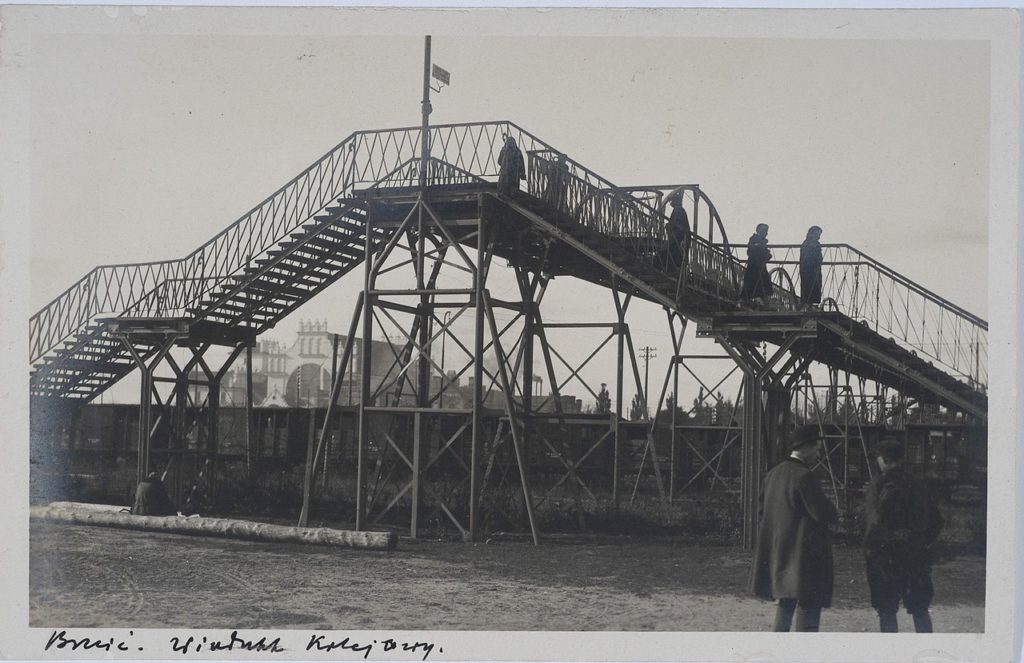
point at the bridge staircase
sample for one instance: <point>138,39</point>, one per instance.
<point>313,230</point>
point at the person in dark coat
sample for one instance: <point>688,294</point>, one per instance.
<point>901,523</point>
<point>511,168</point>
<point>678,232</point>
<point>810,268</point>
<point>557,185</point>
<point>793,554</point>
<point>151,498</point>
<point>756,282</point>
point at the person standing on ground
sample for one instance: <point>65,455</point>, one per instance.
<point>756,282</point>
<point>151,498</point>
<point>793,554</point>
<point>511,168</point>
<point>810,268</point>
<point>902,522</point>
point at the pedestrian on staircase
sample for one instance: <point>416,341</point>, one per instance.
<point>810,268</point>
<point>557,175</point>
<point>756,282</point>
<point>678,232</point>
<point>511,168</point>
<point>793,553</point>
<point>901,523</point>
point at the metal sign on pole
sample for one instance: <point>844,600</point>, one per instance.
<point>442,76</point>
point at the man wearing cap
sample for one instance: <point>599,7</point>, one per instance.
<point>793,553</point>
<point>901,523</point>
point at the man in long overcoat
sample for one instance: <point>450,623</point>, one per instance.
<point>793,553</point>
<point>757,284</point>
<point>901,522</point>
<point>678,232</point>
<point>810,268</point>
<point>511,167</point>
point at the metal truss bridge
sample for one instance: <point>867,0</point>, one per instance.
<point>374,199</point>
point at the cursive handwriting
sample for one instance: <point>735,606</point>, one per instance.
<point>194,645</point>
<point>61,640</point>
<point>320,643</point>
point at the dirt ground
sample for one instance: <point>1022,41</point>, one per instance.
<point>97,577</point>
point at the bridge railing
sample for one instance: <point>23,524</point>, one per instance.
<point>364,157</point>
<point>460,152</point>
<point>893,305</point>
<point>114,289</point>
<point>173,298</point>
<point>635,217</point>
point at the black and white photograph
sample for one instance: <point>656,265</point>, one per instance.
<point>511,334</point>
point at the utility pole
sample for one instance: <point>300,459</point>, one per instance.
<point>647,353</point>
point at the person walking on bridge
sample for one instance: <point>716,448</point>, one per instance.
<point>901,523</point>
<point>678,232</point>
<point>756,282</point>
<point>511,168</point>
<point>793,554</point>
<point>810,268</point>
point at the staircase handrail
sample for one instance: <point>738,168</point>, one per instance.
<point>888,271</point>
<point>968,356</point>
<point>361,157</point>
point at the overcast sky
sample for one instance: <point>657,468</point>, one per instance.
<point>146,143</point>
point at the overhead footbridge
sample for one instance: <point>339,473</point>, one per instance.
<point>312,231</point>
<point>374,190</point>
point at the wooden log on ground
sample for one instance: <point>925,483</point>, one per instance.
<point>110,516</point>
<point>89,506</point>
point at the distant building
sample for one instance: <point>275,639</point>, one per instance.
<point>299,375</point>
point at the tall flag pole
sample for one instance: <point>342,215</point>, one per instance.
<point>425,135</point>
<point>443,78</point>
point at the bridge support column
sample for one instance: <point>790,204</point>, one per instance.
<point>146,365</point>
<point>650,445</point>
<point>758,375</point>
<point>621,333</point>
<point>400,410</point>
<point>476,441</point>
<point>177,414</point>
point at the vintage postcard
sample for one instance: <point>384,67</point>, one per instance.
<point>510,334</point>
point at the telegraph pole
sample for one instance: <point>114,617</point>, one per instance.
<point>647,353</point>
